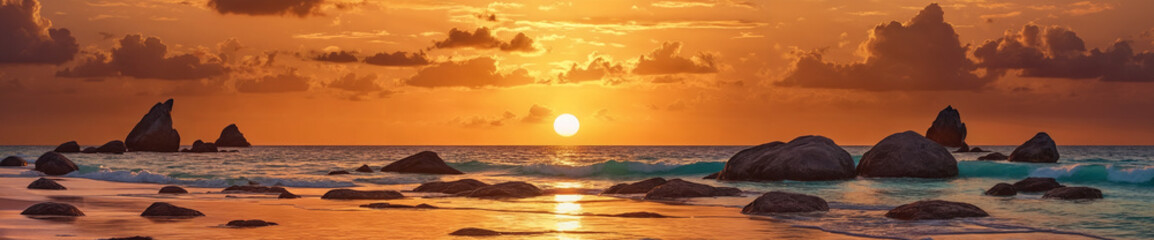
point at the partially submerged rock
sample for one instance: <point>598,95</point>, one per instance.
<point>505,190</point>
<point>712,175</point>
<point>163,209</point>
<point>287,195</point>
<point>948,128</point>
<point>426,162</point>
<point>254,189</point>
<point>114,146</point>
<point>1037,184</point>
<point>13,161</point>
<point>89,150</point>
<point>54,163</point>
<point>202,147</point>
<point>172,190</point>
<point>634,188</point>
<point>640,215</point>
<point>785,202</point>
<point>131,238</point>
<point>365,169</point>
<point>349,194</point>
<point>52,208</point>
<point>453,187</point>
<point>908,154</point>
<point>805,158</point>
<point>68,147</point>
<point>231,137</point>
<point>46,184</point>
<point>339,172</point>
<point>474,232</point>
<point>678,188</point>
<point>1074,193</point>
<point>935,209</point>
<point>965,148</point>
<point>154,132</point>
<point>977,149</point>
<point>249,223</point>
<point>1039,149</point>
<point>997,156</point>
<point>1002,189</point>
<point>383,205</point>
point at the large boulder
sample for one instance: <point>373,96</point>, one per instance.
<point>424,162</point>
<point>784,202</point>
<point>806,158</point>
<point>1074,193</point>
<point>935,209</point>
<point>163,209</point>
<point>89,150</point>
<point>54,163</point>
<point>154,132</point>
<point>454,187</point>
<point>68,147</point>
<point>948,129</point>
<point>13,161</point>
<point>633,188</point>
<point>1002,190</point>
<point>1037,184</point>
<point>231,137</point>
<point>46,184</point>
<point>505,190</point>
<point>202,147</point>
<point>52,208</point>
<point>908,154</point>
<point>114,146</point>
<point>1040,149</point>
<point>349,194</point>
<point>678,188</point>
<point>996,156</point>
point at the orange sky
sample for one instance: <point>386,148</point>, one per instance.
<point>329,72</point>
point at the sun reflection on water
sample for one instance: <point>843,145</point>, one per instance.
<point>568,204</point>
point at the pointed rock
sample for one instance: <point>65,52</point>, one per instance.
<point>231,137</point>
<point>365,169</point>
<point>46,184</point>
<point>154,132</point>
<point>948,128</point>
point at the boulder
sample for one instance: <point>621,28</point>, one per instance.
<point>46,184</point>
<point>712,175</point>
<point>475,232</point>
<point>254,189</point>
<point>948,129</point>
<point>454,187</point>
<point>977,149</point>
<point>202,147</point>
<point>365,169</point>
<point>68,147</point>
<point>1002,189</point>
<point>131,238</point>
<point>349,194</point>
<point>389,205</point>
<point>338,172</point>
<point>54,163</point>
<point>633,188</point>
<point>908,154</point>
<point>89,150</point>
<point>1037,184</point>
<point>287,195</point>
<point>114,146</point>
<point>505,190</point>
<point>805,158</point>
<point>172,190</point>
<point>163,209</point>
<point>964,148</point>
<point>1073,193</point>
<point>13,161</point>
<point>1040,149</point>
<point>784,202</point>
<point>678,188</point>
<point>52,208</point>
<point>249,223</point>
<point>935,209</point>
<point>154,132</point>
<point>231,137</point>
<point>424,162</point>
<point>996,156</point>
<point>640,215</point>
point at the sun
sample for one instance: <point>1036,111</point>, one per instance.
<point>566,125</point>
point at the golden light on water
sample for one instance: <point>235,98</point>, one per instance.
<point>567,204</point>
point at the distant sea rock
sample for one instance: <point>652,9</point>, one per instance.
<point>1002,190</point>
<point>253,189</point>
<point>172,190</point>
<point>643,186</point>
<point>202,147</point>
<point>678,188</point>
<point>806,158</point>
<point>231,137</point>
<point>349,194</point>
<point>505,190</point>
<point>424,162</point>
<point>475,232</point>
<point>338,172</point>
<point>935,209</point>
<point>13,161</point>
<point>785,202</point>
<point>1037,184</point>
<point>249,223</point>
<point>163,209</point>
<point>68,147</point>
<point>996,156</point>
<point>908,154</point>
<point>1039,149</point>
<point>1073,193</point>
<point>89,150</point>
<point>114,146</point>
<point>948,129</point>
<point>54,163</point>
<point>46,184</point>
<point>154,132</point>
<point>53,208</point>
<point>365,169</point>
<point>454,187</point>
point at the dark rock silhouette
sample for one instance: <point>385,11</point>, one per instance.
<point>54,163</point>
<point>1002,189</point>
<point>935,209</point>
<point>784,202</point>
<point>712,175</point>
<point>474,232</point>
<point>68,147</point>
<point>1037,184</point>
<point>908,154</point>
<point>505,190</point>
<point>46,184</point>
<point>154,132</point>
<point>254,189</point>
<point>677,188</point>
<point>249,223</point>
<point>964,148</point>
<point>996,156</point>
<point>287,195</point>
<point>350,194</point>
<point>1039,149</point>
<point>202,147</point>
<point>1073,193</point>
<point>52,208</point>
<point>365,169</point>
<point>389,205</point>
<point>424,162</point>
<point>163,209</point>
<point>805,158</point>
<point>231,137</point>
<point>454,187</point>
<point>13,161</point>
<point>172,190</point>
<point>338,172</point>
<point>977,149</point>
<point>89,150</point>
<point>948,128</point>
<point>633,188</point>
<point>131,238</point>
<point>114,146</point>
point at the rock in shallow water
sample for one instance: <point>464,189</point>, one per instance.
<point>254,189</point>
<point>54,163</point>
<point>935,209</point>
<point>46,184</point>
<point>365,169</point>
<point>1039,149</point>
<point>172,190</point>
<point>426,162</point>
<point>1036,184</point>
<point>287,195</point>
<point>114,146</point>
<point>339,172</point>
<point>154,132</point>
<point>454,187</point>
<point>678,188</point>
<point>131,238</point>
<point>948,129</point>
<point>785,202</point>
<point>505,190</point>
<point>349,194</point>
<point>163,209</point>
<point>68,147</point>
<point>997,156</point>
<point>53,208</point>
<point>908,154</point>
<point>640,215</point>
<point>1074,193</point>
<point>1002,189</point>
<point>249,223</point>
<point>634,188</point>
<point>805,158</point>
<point>474,232</point>
<point>13,161</point>
<point>231,137</point>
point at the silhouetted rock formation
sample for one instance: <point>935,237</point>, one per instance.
<point>633,188</point>
<point>1073,193</point>
<point>365,169</point>
<point>131,238</point>
<point>287,195</point>
<point>964,148</point>
<point>338,172</point>
<point>454,187</point>
<point>639,215</point>
<point>677,188</point>
<point>908,154</point>
<point>249,223</point>
<point>712,175</point>
<point>231,137</point>
<point>1039,149</point>
<point>356,194</point>
<point>935,209</point>
<point>154,132</point>
<point>997,156</point>
<point>505,190</point>
<point>977,149</point>
<point>806,158</point>
<point>68,147</point>
<point>52,208</point>
<point>1002,189</point>
<point>389,205</point>
<point>114,146</point>
<point>163,209</point>
<point>13,161</point>
<point>784,202</point>
<point>89,150</point>
<point>54,163</point>
<point>1037,184</point>
<point>202,147</point>
<point>948,128</point>
<point>172,190</point>
<point>424,162</point>
<point>474,232</point>
<point>46,184</point>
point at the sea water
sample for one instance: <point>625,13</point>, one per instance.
<point>1123,173</point>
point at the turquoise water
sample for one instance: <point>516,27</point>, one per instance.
<point>1124,173</point>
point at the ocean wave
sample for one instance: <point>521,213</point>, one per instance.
<point>604,169</point>
<point>1080,172</point>
<point>145,176</point>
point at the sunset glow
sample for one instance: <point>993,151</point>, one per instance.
<point>566,125</point>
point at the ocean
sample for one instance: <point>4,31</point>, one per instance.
<point>1123,173</point>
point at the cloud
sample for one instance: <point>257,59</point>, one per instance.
<point>665,60</point>
<point>595,69</point>
<point>299,8</point>
<point>139,57</point>
<point>398,59</point>
<point>473,73</point>
<point>603,114</point>
<point>922,54</point>
<point>337,57</point>
<point>538,114</point>
<point>30,38</point>
<point>484,121</point>
<point>280,83</point>
<point>351,82</point>
<point>1057,52</point>
<point>482,38</point>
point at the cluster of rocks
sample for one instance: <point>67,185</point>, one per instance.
<point>426,162</point>
<point>154,133</point>
<point>364,169</point>
<point>661,189</point>
<point>1049,186</point>
<point>114,146</point>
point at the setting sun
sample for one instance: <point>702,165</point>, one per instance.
<point>566,125</point>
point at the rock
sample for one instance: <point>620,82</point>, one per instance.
<point>349,194</point>
<point>163,209</point>
<point>1040,149</point>
<point>785,202</point>
<point>424,162</point>
<point>154,132</point>
<point>287,195</point>
<point>52,208</point>
<point>964,148</point>
<point>935,209</point>
<point>54,163</point>
<point>114,146</point>
<point>172,190</point>
<point>89,150</point>
<point>249,223</point>
<point>13,161</point>
<point>1002,189</point>
<point>948,128</point>
<point>474,232</point>
<point>997,156</point>
<point>255,189</point>
<point>805,158</point>
<point>908,154</point>
<point>640,215</point>
<point>203,147</point>
<point>454,187</point>
<point>505,190</point>
<point>68,147</point>
<point>1074,193</point>
<point>338,172</point>
<point>977,149</point>
<point>131,238</point>
<point>231,137</point>
<point>634,188</point>
<point>1037,184</point>
<point>388,205</point>
<point>712,175</point>
<point>426,206</point>
<point>678,188</point>
<point>365,169</point>
<point>46,184</point>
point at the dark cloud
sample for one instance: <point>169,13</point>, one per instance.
<point>398,59</point>
<point>26,37</point>
<point>482,38</point>
<point>145,58</point>
<point>299,8</point>
<point>665,60</point>
<point>1057,52</point>
<point>596,69</point>
<point>538,114</point>
<point>922,54</point>
<point>473,73</point>
<point>280,83</point>
<point>351,82</point>
<point>337,57</point>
